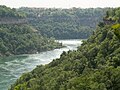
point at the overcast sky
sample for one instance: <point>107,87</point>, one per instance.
<point>61,3</point>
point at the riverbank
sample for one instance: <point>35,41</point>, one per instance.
<point>14,66</point>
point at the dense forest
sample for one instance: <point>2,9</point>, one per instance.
<point>11,13</point>
<point>20,38</point>
<point>74,23</point>
<point>94,66</point>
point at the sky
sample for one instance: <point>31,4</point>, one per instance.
<point>61,3</point>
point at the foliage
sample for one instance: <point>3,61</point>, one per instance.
<point>11,13</point>
<point>71,23</point>
<point>94,66</point>
<point>116,28</point>
<point>22,39</point>
<point>113,14</point>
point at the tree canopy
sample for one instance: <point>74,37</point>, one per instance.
<point>11,13</point>
<point>19,38</point>
<point>94,66</point>
<point>74,23</point>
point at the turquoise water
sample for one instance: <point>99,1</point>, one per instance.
<point>13,67</point>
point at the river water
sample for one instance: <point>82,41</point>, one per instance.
<point>12,67</point>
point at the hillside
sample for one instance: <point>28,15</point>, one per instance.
<point>74,23</point>
<point>11,13</point>
<point>11,16</point>
<point>94,66</point>
<point>18,37</point>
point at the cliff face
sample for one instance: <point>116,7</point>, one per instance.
<point>94,66</point>
<point>74,23</point>
<point>18,37</point>
<point>11,16</point>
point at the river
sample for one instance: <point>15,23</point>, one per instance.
<point>12,67</point>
